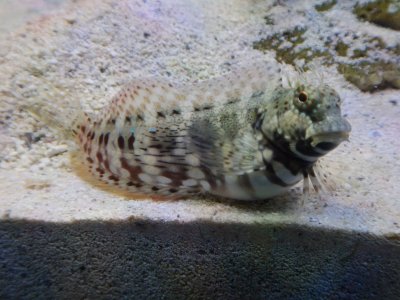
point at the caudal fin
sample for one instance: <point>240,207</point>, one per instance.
<point>50,104</point>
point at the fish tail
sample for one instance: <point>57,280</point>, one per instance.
<point>51,105</point>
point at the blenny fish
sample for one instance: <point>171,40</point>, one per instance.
<point>247,135</point>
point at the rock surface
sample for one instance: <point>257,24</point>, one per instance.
<point>197,260</point>
<point>330,33</point>
<point>385,13</point>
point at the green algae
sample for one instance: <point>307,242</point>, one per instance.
<point>385,13</point>
<point>369,77</point>
<point>325,5</point>
<point>34,71</point>
<point>359,53</point>
<point>289,52</point>
<point>341,48</point>
<point>375,44</point>
<point>275,41</point>
<point>268,20</point>
<point>367,74</point>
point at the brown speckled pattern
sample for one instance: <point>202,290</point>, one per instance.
<point>219,136</point>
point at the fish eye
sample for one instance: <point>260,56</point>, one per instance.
<point>302,96</point>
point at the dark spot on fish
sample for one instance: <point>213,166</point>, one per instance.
<point>113,177</point>
<point>172,190</point>
<point>131,141</point>
<point>107,165</point>
<point>154,188</point>
<point>99,156</point>
<point>89,160</point>
<point>101,171</point>
<point>138,185</point>
<point>121,142</point>
<point>176,177</point>
<point>394,102</point>
<point>133,170</point>
<point>101,139</point>
<point>106,138</point>
<point>176,112</point>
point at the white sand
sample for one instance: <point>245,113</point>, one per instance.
<point>188,40</point>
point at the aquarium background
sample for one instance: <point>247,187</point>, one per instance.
<point>62,234</point>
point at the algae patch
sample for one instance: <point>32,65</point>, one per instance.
<point>385,13</point>
<point>371,77</point>
<point>341,48</point>
<point>288,46</point>
<point>325,6</point>
<point>363,59</point>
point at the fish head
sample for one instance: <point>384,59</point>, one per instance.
<point>305,120</point>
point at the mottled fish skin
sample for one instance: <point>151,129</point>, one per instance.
<point>243,136</point>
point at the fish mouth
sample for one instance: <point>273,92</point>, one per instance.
<point>323,140</point>
<point>328,135</point>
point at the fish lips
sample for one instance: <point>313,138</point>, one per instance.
<point>329,133</point>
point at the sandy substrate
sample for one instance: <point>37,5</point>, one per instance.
<point>14,14</point>
<point>88,53</point>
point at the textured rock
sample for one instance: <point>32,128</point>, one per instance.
<point>199,260</point>
<point>384,13</point>
<point>372,76</point>
<point>328,33</point>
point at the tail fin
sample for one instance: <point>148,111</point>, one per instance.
<point>50,104</point>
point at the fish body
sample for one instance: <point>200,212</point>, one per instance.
<point>243,136</point>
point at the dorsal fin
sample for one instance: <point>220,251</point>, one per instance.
<point>236,86</point>
<point>148,99</point>
<point>52,105</point>
<point>145,100</point>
